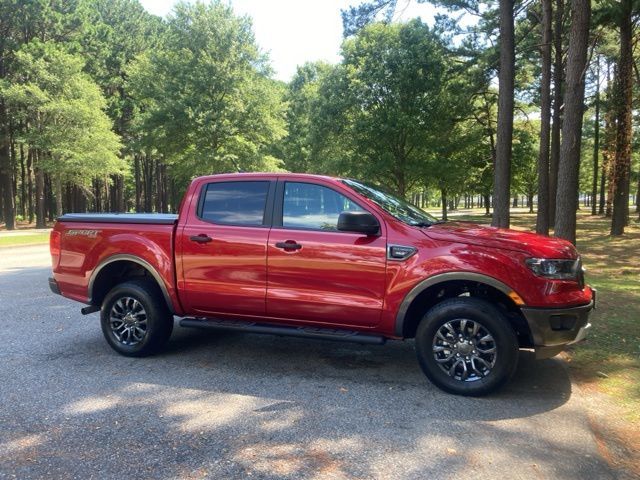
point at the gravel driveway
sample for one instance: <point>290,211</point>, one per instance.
<point>223,405</point>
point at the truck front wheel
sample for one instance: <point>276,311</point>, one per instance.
<point>135,319</point>
<point>466,346</point>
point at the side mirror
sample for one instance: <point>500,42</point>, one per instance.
<point>359,222</point>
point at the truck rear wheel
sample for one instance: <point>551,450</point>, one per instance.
<point>466,346</point>
<point>135,319</point>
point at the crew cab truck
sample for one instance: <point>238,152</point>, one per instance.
<point>328,258</point>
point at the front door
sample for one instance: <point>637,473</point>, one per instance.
<point>316,273</point>
<point>223,249</point>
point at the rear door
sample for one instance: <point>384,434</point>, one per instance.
<point>316,273</point>
<point>223,248</point>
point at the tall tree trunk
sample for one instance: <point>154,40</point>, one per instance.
<point>557,109</point>
<point>6,187</point>
<point>567,194</point>
<point>136,160</point>
<point>603,179</point>
<point>40,209</point>
<point>30,184</point>
<point>608,152</point>
<point>596,141</point>
<point>506,78</point>
<point>443,196</point>
<point>623,106</point>
<point>97,194</point>
<point>23,184</point>
<point>148,186</point>
<point>158,187</point>
<point>50,201</point>
<point>165,188</point>
<point>638,197</point>
<point>542,220</point>
<point>14,165</point>
<point>58,194</point>
<point>530,201</point>
<point>611,190</point>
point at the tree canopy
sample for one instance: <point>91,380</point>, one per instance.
<point>104,106</point>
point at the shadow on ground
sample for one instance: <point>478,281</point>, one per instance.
<point>223,405</point>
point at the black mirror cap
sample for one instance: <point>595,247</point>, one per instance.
<point>359,222</point>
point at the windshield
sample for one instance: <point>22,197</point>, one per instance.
<point>399,208</point>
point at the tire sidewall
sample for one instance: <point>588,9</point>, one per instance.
<point>159,320</point>
<point>493,320</point>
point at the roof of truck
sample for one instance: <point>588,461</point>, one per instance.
<point>267,175</point>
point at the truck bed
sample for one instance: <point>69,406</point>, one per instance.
<point>90,241</point>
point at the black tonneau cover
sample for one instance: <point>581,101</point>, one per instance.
<point>148,218</point>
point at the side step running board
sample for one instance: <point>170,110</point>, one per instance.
<point>307,332</point>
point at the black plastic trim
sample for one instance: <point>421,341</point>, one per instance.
<point>406,257</point>
<point>440,278</point>
<point>53,286</point>
<point>306,332</point>
<point>278,205</point>
<point>540,324</point>
<point>89,309</point>
<point>135,218</point>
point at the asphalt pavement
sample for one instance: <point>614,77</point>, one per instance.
<point>227,405</point>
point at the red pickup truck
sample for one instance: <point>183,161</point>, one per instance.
<point>329,258</point>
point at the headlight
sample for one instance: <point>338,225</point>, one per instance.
<point>558,269</point>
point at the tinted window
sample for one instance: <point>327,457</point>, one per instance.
<point>314,207</point>
<point>235,203</point>
<point>396,206</point>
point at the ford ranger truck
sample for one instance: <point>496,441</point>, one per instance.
<point>327,258</point>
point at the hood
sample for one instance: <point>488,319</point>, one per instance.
<point>502,238</point>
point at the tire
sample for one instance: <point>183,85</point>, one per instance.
<point>460,367</point>
<point>148,327</point>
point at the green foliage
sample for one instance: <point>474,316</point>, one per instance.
<point>63,110</point>
<point>525,151</point>
<point>204,97</point>
<point>409,106</point>
<point>301,97</point>
<point>390,105</point>
<point>120,30</point>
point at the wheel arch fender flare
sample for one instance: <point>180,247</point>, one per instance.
<point>401,316</point>
<point>134,259</point>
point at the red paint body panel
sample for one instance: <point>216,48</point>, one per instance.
<point>335,279</point>
<point>227,275</point>
<point>80,255</point>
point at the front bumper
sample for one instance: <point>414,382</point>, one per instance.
<point>555,328</point>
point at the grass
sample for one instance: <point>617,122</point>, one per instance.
<point>609,360</point>
<point>27,239</point>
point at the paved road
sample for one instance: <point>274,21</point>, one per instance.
<point>232,406</point>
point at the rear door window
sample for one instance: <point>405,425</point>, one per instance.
<point>235,203</point>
